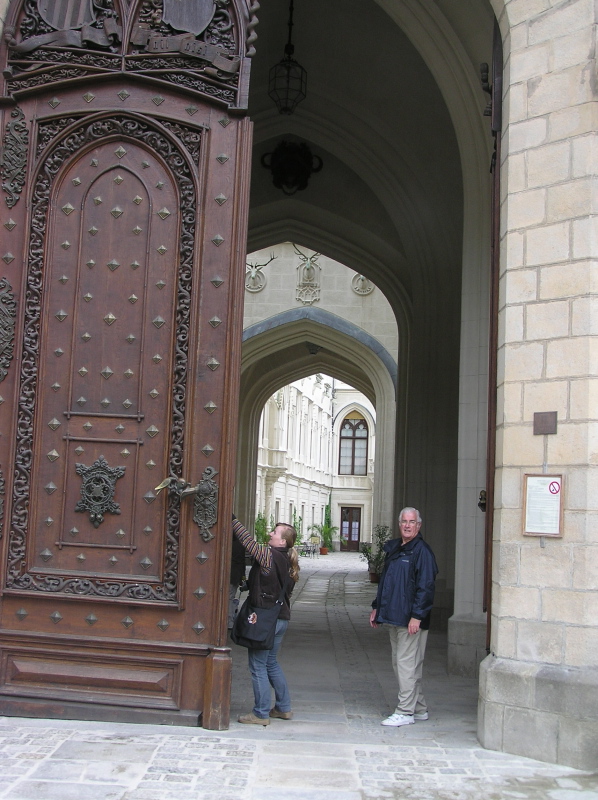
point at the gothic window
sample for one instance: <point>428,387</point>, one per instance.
<point>354,447</point>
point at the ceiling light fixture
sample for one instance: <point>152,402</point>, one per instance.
<point>287,84</point>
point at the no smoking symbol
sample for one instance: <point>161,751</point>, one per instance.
<point>554,488</point>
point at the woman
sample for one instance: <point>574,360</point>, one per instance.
<point>276,565</point>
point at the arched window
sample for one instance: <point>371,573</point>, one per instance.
<point>353,458</point>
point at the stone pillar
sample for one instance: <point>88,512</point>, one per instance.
<point>539,685</point>
<point>467,625</point>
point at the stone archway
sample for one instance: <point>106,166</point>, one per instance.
<point>276,353</point>
<point>434,270</point>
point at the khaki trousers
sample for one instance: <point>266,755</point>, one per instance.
<point>408,652</point>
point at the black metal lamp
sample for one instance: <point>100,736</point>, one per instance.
<point>292,164</point>
<point>287,84</point>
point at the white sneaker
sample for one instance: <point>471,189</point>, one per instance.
<point>421,715</point>
<point>395,720</point>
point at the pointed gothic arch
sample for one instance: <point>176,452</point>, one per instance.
<point>278,354</point>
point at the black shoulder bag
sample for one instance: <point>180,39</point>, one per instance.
<point>255,628</point>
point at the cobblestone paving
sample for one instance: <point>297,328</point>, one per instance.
<point>342,686</point>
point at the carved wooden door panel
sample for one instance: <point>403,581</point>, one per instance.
<point>125,222</point>
<point>107,357</point>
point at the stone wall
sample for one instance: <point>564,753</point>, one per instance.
<point>538,687</point>
<point>337,290</point>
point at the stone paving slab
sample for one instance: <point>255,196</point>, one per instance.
<point>304,794</point>
<point>104,750</point>
<point>342,685</point>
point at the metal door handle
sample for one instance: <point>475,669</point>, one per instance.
<point>178,486</point>
<point>205,504</point>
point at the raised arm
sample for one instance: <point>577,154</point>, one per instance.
<point>261,552</point>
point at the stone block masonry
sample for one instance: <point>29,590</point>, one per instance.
<point>537,683</point>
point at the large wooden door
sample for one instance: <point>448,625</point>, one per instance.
<point>124,224</point>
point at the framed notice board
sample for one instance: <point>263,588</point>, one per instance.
<point>543,505</point>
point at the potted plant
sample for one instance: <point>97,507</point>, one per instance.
<point>365,551</point>
<point>373,552</point>
<point>325,532</point>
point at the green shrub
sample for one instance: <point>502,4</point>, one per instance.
<point>261,528</point>
<point>298,525</point>
<point>373,552</point>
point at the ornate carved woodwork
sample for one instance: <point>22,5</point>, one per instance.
<point>98,181</point>
<point>205,507</point>
<point>203,46</point>
<point>124,137</point>
<point>14,156</point>
<point>47,131</point>
<point>8,311</point>
<point>2,489</point>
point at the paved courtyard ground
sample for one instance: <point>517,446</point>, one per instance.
<point>342,685</point>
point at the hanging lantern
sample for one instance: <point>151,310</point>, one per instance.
<point>287,84</point>
<point>292,164</point>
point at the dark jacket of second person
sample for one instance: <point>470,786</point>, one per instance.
<point>407,583</point>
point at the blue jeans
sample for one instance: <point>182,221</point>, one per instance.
<point>265,672</point>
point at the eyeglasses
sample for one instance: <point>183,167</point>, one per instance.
<point>408,522</point>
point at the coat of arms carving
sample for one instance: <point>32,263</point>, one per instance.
<point>308,278</point>
<point>192,16</point>
<point>66,14</point>
<point>69,24</point>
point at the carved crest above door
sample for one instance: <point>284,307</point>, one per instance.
<point>193,16</point>
<point>66,14</point>
<point>203,46</point>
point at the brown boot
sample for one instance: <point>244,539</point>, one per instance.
<point>251,719</point>
<point>276,714</point>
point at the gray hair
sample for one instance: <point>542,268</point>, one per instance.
<point>410,508</point>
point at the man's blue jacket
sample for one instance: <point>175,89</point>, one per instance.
<point>406,586</point>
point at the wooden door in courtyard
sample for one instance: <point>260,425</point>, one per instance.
<point>350,528</point>
<point>125,183</point>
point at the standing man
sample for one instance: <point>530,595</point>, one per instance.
<point>404,601</point>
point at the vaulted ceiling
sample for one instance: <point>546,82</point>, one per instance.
<point>394,109</point>
<point>390,192</point>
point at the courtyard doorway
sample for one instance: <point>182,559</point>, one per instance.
<point>350,528</point>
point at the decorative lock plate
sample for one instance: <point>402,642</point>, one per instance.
<point>97,490</point>
<point>205,506</point>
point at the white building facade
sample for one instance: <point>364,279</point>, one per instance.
<point>309,457</point>
<point>294,467</point>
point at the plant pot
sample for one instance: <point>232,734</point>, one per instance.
<point>374,577</point>
<point>323,551</point>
